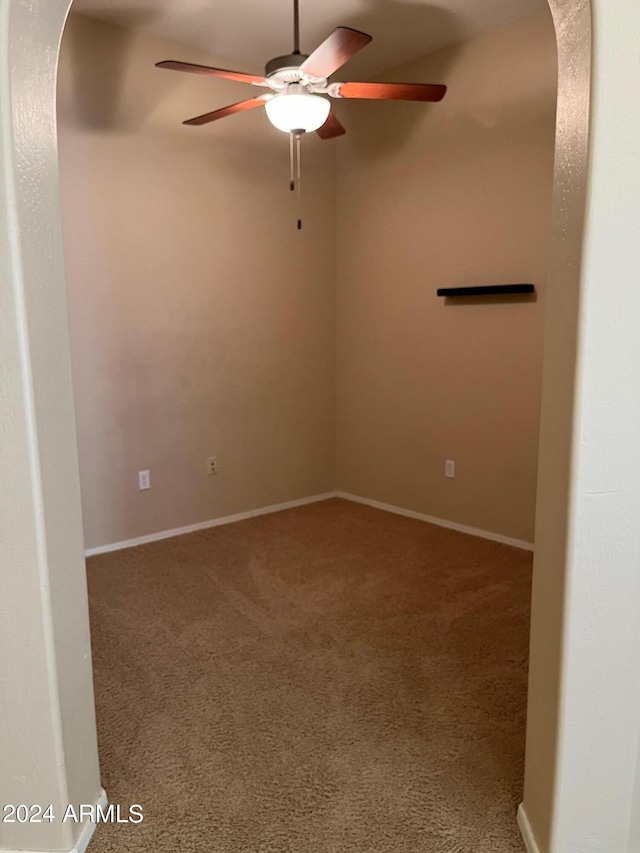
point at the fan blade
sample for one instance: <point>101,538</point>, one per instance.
<point>228,111</point>
<point>331,128</point>
<point>173,65</point>
<point>393,91</point>
<point>342,44</point>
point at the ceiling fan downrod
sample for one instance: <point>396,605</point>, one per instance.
<point>296,27</point>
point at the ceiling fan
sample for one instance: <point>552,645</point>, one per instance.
<point>298,82</point>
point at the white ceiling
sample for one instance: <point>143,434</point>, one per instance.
<point>247,33</point>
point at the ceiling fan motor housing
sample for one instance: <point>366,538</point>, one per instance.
<point>280,64</point>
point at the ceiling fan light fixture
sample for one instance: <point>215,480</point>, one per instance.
<point>296,109</point>
<point>298,81</point>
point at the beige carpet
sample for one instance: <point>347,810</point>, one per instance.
<point>331,679</point>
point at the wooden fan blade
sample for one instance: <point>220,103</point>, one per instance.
<point>393,91</point>
<point>228,111</point>
<point>342,44</point>
<point>173,65</point>
<point>331,128</point>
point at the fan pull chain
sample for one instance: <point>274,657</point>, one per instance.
<point>292,158</point>
<point>295,169</point>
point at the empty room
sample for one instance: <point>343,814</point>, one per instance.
<point>290,294</point>
<point>307,359</point>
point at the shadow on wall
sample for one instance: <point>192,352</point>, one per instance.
<point>467,301</point>
<point>105,64</point>
<point>396,119</point>
<point>101,61</point>
<point>474,107</point>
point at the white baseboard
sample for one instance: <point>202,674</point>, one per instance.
<point>527,832</point>
<point>89,828</point>
<point>205,525</point>
<point>266,510</point>
<point>440,522</point>
<point>86,834</point>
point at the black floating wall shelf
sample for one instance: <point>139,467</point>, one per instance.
<point>488,290</point>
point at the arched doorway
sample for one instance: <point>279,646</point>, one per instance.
<point>584,703</point>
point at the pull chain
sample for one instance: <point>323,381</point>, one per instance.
<point>295,169</point>
<point>292,159</point>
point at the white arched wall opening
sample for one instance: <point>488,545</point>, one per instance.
<point>581,780</point>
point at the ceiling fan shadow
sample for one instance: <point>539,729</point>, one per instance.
<point>97,57</point>
<point>384,126</point>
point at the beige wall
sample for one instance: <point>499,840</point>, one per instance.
<point>452,194</point>
<point>583,723</point>
<point>202,322</point>
<point>48,746</point>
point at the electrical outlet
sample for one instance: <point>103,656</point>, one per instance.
<point>450,469</point>
<point>144,480</point>
<point>212,466</point>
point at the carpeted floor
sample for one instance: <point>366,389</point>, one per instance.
<point>330,679</point>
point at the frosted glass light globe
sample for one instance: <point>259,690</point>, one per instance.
<point>297,111</point>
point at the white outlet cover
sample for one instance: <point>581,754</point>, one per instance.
<point>144,480</point>
<point>450,468</point>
